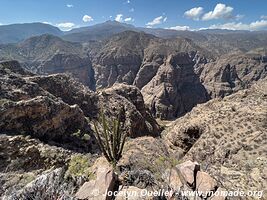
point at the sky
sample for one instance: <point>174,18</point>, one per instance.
<point>171,14</point>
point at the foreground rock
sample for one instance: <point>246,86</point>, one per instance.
<point>186,180</point>
<point>128,99</point>
<point>106,182</point>
<point>22,160</point>
<point>227,136</point>
<point>137,118</point>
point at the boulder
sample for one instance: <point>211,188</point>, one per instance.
<point>171,177</point>
<point>205,183</point>
<point>106,181</point>
<point>188,171</point>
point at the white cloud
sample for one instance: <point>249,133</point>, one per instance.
<point>194,13</point>
<point>119,18</point>
<point>128,19</point>
<point>238,17</point>
<point>258,25</point>
<point>65,26</point>
<point>87,18</point>
<point>156,21</point>
<point>253,26</point>
<point>69,5</point>
<point>50,23</point>
<point>131,10</point>
<point>264,17</point>
<point>180,28</point>
<point>221,11</point>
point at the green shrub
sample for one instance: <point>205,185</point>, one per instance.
<point>78,166</point>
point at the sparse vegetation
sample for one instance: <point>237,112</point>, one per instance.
<point>78,166</point>
<point>110,138</point>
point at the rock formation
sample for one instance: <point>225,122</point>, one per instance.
<point>27,108</point>
<point>175,89</point>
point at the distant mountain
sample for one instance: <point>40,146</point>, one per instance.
<point>18,32</point>
<point>109,28</point>
<point>97,32</point>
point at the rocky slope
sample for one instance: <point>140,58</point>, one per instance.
<point>142,60</point>
<point>228,136</point>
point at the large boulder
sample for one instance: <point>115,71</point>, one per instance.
<point>186,180</point>
<point>104,184</point>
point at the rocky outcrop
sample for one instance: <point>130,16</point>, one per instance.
<point>231,73</point>
<point>120,97</point>
<point>175,89</point>
<point>27,108</point>
<point>22,160</point>
<point>226,136</point>
<point>138,120</point>
<point>70,91</point>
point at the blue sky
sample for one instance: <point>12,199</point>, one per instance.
<point>174,14</point>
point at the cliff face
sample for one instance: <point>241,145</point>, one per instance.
<point>175,89</point>
<point>231,73</point>
<point>81,68</point>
